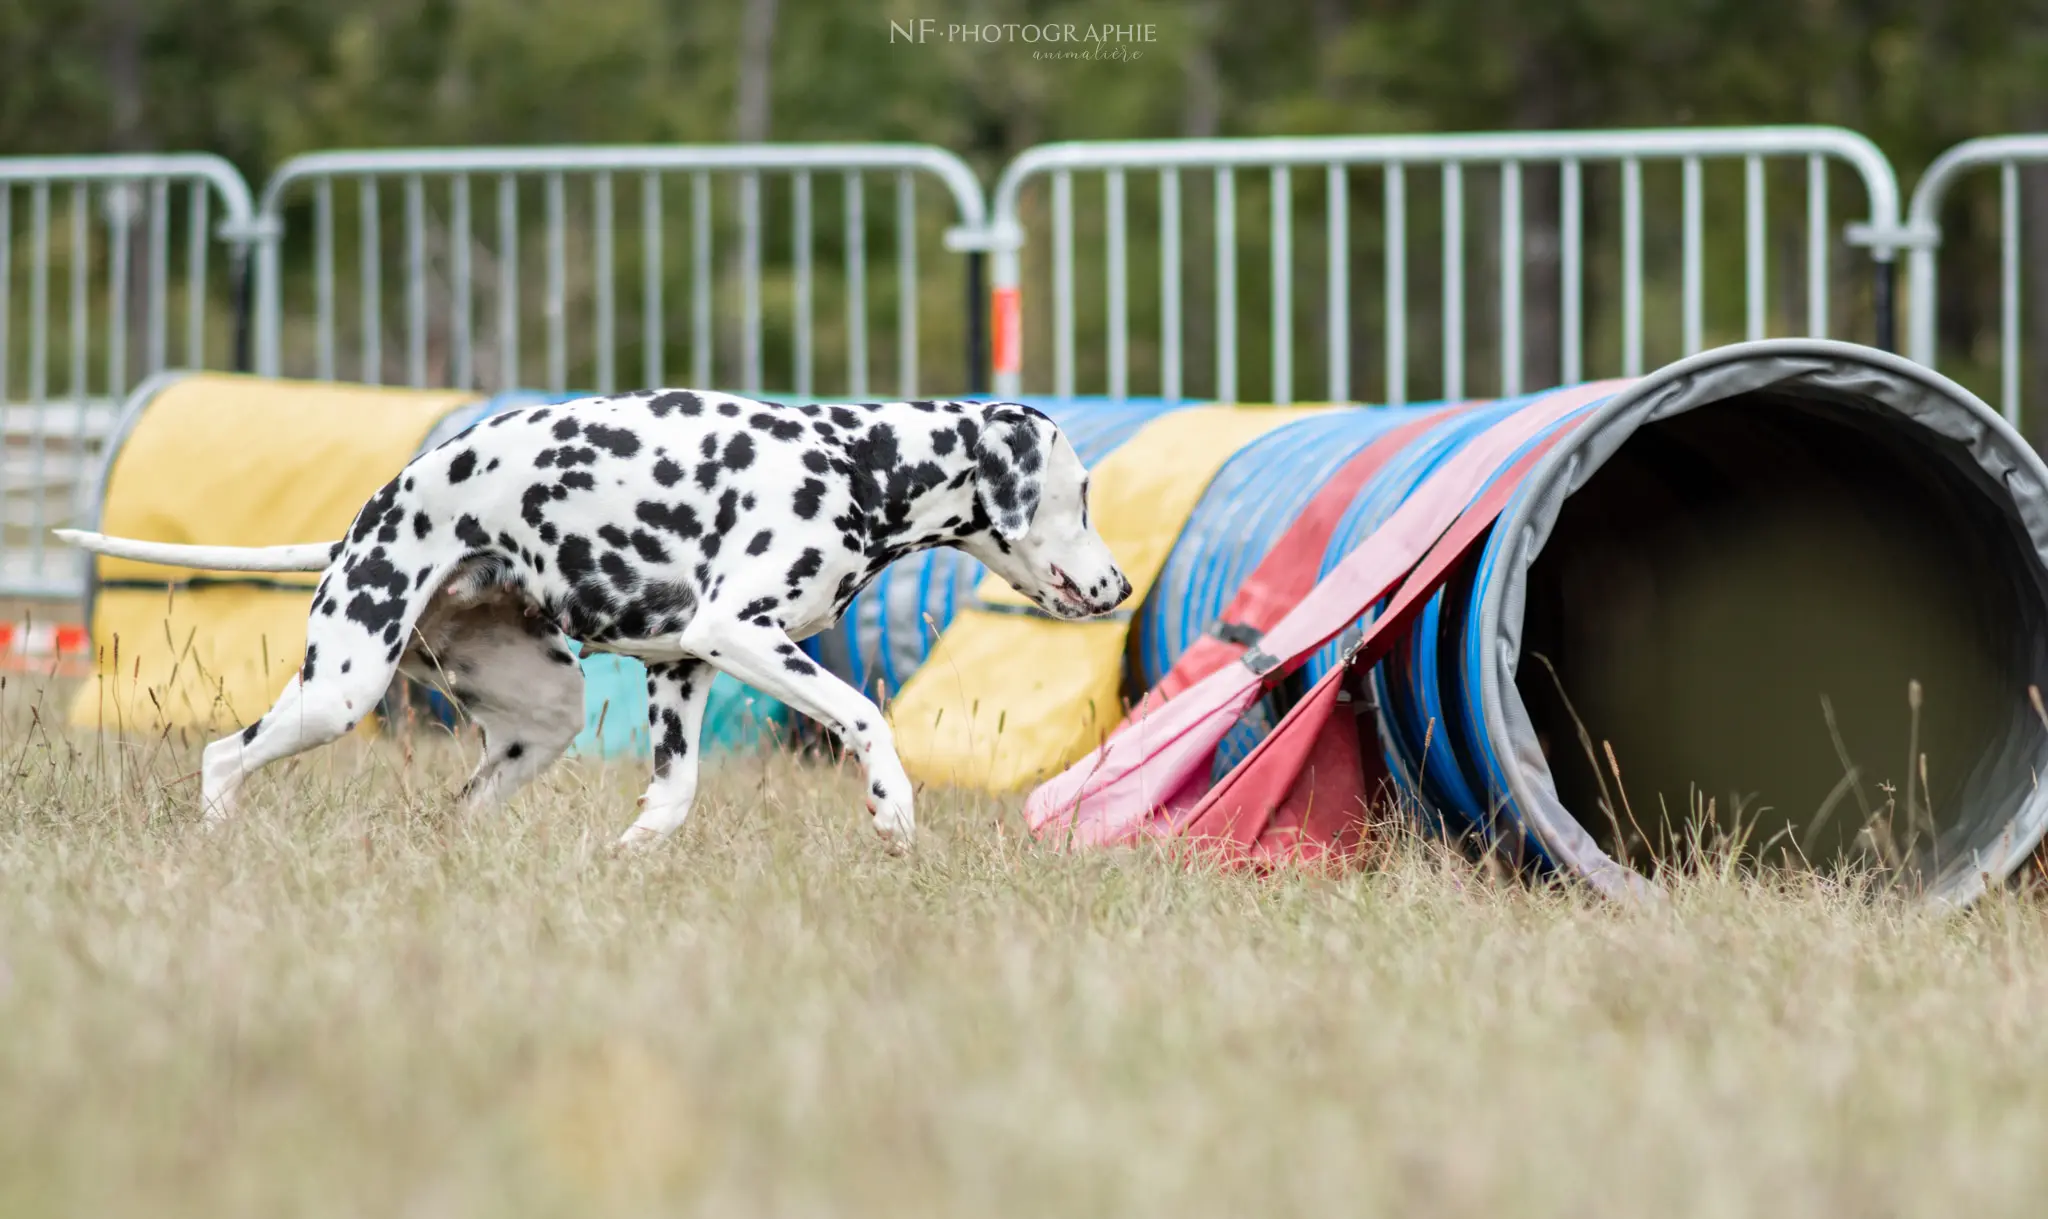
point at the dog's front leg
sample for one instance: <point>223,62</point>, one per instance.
<point>765,658</point>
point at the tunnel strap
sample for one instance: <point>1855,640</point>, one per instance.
<point>1289,569</point>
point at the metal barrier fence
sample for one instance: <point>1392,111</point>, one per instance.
<point>1923,234</point>
<point>1507,156</point>
<point>106,228</point>
<point>442,263</point>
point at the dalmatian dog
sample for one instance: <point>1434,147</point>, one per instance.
<point>695,531</point>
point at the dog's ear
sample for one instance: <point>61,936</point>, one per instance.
<point>1010,466</point>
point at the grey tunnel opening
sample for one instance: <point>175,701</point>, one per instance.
<point>1738,601</point>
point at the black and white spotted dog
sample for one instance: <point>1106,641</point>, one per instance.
<point>691,530</point>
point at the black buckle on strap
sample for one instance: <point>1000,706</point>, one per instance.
<point>1238,633</point>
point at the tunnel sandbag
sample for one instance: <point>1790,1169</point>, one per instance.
<point>1010,695</point>
<point>1783,599</point>
<point>228,460</point>
<point>890,626</point>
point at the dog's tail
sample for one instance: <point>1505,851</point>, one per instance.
<point>305,556</point>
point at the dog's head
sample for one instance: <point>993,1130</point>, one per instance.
<point>1032,490</point>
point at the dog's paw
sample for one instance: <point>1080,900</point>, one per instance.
<point>893,819</point>
<point>638,840</point>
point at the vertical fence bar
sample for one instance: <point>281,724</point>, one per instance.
<point>323,279</point>
<point>1169,285</point>
<point>1816,247</point>
<point>603,217</point>
<point>2009,291</point>
<point>1337,277</point>
<point>81,345</point>
<point>700,280</point>
<point>6,322</point>
<point>1631,268</point>
<point>1226,286</point>
<point>159,308</point>
<point>555,306</point>
<point>856,288</point>
<point>195,279</point>
<point>1753,246</point>
<point>1454,281</point>
<point>1396,187</point>
<point>6,311</point>
<point>1063,283</point>
<point>508,283</point>
<point>750,283</point>
<point>1571,281</point>
<point>39,295</point>
<point>415,280</point>
<point>1692,289</point>
<point>120,217</point>
<point>459,292</point>
<point>1282,242</point>
<point>1511,279</point>
<point>906,285</point>
<point>652,329</point>
<point>1119,319</point>
<point>370,271</point>
<point>800,235</point>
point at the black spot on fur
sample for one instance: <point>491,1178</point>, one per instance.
<point>707,475</point>
<point>617,441</point>
<point>667,472</point>
<point>621,573</point>
<point>729,409</point>
<point>679,519</point>
<point>463,465</point>
<point>809,498</point>
<point>682,400</point>
<point>728,512</point>
<point>613,536</point>
<point>574,559</point>
<point>799,666</point>
<point>514,751</point>
<point>759,606</point>
<point>739,452</point>
<point>816,462</point>
<point>422,525</point>
<point>759,545</point>
<point>649,547</point>
<point>249,733</point>
<point>470,532</point>
<point>806,565</point>
<point>579,480</point>
<point>565,429</point>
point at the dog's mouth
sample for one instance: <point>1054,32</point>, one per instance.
<point>1067,600</point>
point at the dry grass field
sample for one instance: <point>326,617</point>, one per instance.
<point>359,1002</point>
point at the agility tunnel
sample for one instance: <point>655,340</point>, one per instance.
<point>1786,599</point>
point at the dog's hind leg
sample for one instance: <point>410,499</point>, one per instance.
<point>677,692</point>
<point>363,611</point>
<point>329,694</point>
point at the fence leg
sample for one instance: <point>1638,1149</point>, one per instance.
<point>242,288</point>
<point>977,324</point>
<point>1885,299</point>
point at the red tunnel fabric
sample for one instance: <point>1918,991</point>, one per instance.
<point>1288,571</point>
<point>1149,777</point>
